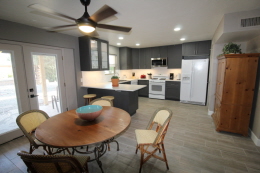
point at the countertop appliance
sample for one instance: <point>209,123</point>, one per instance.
<point>178,76</point>
<point>194,81</point>
<point>143,76</point>
<point>157,86</point>
<point>159,62</point>
<point>171,76</point>
<point>149,75</point>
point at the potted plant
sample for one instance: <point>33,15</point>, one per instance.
<point>115,80</point>
<point>231,48</point>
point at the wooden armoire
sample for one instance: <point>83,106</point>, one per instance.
<point>236,79</point>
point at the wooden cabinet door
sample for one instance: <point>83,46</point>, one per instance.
<point>220,78</point>
<point>203,47</point>
<point>174,58</point>
<point>135,59</point>
<point>125,55</point>
<point>240,77</point>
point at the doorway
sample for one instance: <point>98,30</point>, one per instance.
<point>31,77</point>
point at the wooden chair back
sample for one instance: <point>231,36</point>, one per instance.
<point>101,102</point>
<point>161,119</point>
<point>52,163</point>
<point>28,121</point>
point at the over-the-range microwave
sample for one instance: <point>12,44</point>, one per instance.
<point>159,62</point>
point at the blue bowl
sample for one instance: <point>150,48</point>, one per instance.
<point>89,112</point>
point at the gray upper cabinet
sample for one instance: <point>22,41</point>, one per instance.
<point>135,58</point>
<point>155,52</point>
<point>174,56</point>
<point>158,52</point>
<point>125,58</point>
<point>196,48</point>
<point>93,54</point>
<point>163,51</point>
<point>145,58</point>
<point>148,62</point>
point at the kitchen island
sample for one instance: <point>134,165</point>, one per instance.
<point>126,96</point>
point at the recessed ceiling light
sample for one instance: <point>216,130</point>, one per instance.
<point>182,39</point>
<point>118,43</point>
<point>177,29</point>
<point>137,44</point>
<point>120,38</point>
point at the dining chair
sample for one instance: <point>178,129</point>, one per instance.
<point>28,121</point>
<point>55,163</point>
<point>153,136</point>
<point>105,102</point>
<point>101,102</point>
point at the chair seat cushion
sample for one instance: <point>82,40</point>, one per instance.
<point>145,136</point>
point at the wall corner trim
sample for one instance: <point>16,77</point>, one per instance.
<point>254,138</point>
<point>210,112</point>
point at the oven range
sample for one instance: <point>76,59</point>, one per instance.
<point>157,86</point>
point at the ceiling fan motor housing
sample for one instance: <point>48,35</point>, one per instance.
<point>84,20</point>
<point>85,2</point>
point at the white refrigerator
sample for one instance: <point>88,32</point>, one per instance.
<point>194,79</point>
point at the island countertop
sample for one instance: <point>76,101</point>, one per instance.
<point>121,87</point>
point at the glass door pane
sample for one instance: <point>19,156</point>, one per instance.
<point>46,79</point>
<point>104,56</point>
<point>9,109</point>
<point>94,54</point>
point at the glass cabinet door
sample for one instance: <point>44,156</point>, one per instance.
<point>94,54</point>
<point>104,56</point>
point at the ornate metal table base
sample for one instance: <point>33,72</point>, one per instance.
<point>98,151</point>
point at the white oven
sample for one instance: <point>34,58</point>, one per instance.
<point>157,89</point>
<point>157,86</point>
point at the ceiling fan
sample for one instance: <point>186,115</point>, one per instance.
<point>85,23</point>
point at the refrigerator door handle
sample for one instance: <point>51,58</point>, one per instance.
<point>191,81</point>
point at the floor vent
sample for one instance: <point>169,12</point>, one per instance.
<point>250,22</point>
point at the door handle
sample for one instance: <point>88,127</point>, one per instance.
<point>32,96</point>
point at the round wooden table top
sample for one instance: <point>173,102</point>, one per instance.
<point>68,130</point>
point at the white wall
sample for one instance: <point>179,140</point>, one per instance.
<point>253,46</point>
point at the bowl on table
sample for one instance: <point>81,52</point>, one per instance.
<point>89,112</point>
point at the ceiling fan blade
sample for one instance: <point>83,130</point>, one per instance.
<point>62,26</point>
<point>44,9</point>
<point>103,13</point>
<point>113,27</point>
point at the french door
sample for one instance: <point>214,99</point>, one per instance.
<point>45,79</point>
<point>31,77</point>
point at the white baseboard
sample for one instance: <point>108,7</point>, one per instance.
<point>210,112</point>
<point>255,139</point>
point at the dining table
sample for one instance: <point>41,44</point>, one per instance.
<point>67,130</point>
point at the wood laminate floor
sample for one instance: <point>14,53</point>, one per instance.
<point>192,146</point>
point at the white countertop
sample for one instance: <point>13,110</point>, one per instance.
<point>121,87</point>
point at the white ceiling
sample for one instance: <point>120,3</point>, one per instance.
<point>152,21</point>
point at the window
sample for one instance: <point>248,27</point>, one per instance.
<point>112,64</point>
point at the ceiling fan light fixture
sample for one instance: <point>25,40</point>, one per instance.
<point>87,28</point>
